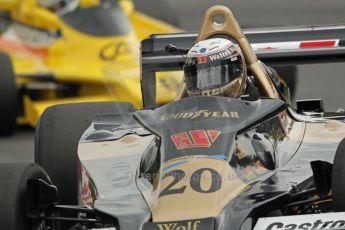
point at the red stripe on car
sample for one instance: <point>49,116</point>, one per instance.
<point>317,44</point>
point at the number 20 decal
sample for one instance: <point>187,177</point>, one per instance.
<point>195,182</point>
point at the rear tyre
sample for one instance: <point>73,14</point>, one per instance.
<point>57,137</point>
<point>13,183</point>
<point>8,96</point>
<point>338,178</point>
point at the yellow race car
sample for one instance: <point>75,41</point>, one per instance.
<point>54,51</point>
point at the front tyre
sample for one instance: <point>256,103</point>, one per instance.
<point>57,137</point>
<point>56,143</point>
<point>8,96</point>
<point>338,178</point>
<point>13,184</point>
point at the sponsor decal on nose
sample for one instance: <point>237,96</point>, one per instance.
<point>195,139</point>
<point>201,114</point>
<point>198,224</point>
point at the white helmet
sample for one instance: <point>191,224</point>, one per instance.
<point>215,67</point>
<point>59,6</point>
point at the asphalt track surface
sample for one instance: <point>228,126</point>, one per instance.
<point>321,81</point>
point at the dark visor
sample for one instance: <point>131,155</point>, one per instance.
<point>212,74</point>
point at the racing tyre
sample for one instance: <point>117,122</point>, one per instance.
<point>8,96</point>
<point>338,178</point>
<point>13,183</point>
<point>57,135</point>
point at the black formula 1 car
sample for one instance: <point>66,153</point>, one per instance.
<point>198,163</point>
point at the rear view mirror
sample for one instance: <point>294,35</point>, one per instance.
<point>264,150</point>
<point>310,105</point>
<point>280,85</point>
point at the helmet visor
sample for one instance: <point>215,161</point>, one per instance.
<point>212,75</point>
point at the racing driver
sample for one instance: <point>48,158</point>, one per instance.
<point>216,67</point>
<point>59,6</point>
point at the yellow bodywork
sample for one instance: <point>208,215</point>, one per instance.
<point>77,58</point>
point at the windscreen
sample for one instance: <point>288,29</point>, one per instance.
<point>122,80</point>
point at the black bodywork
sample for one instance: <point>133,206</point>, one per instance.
<point>285,187</point>
<point>272,192</point>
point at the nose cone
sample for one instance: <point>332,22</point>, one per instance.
<point>194,187</point>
